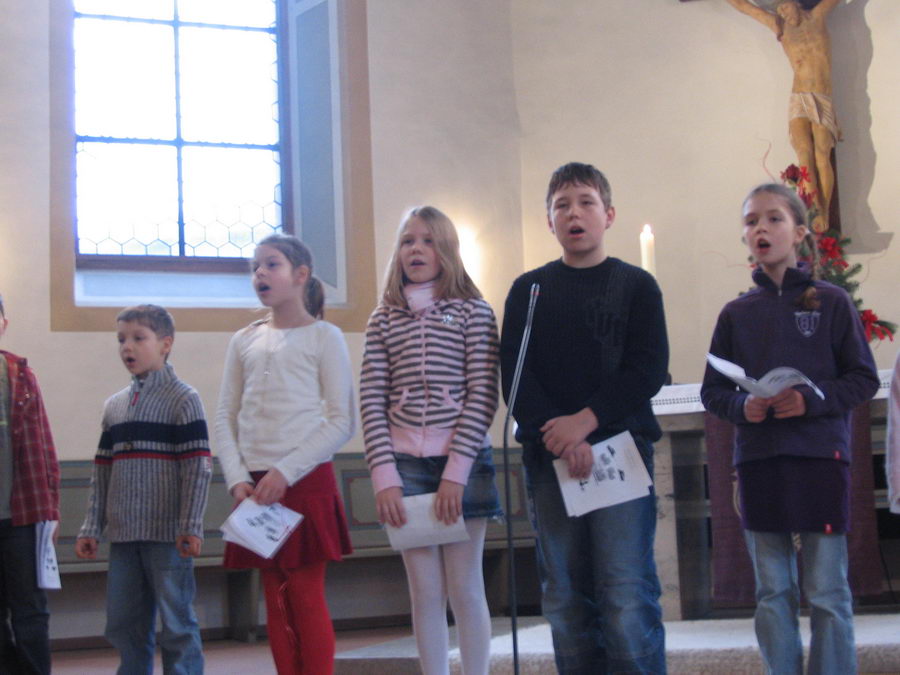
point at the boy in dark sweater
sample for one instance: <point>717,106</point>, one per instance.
<point>598,352</point>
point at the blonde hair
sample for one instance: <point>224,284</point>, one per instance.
<point>452,281</point>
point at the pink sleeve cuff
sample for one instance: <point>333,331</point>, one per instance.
<point>458,468</point>
<point>385,476</point>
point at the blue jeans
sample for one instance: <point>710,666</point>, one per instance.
<point>24,619</point>
<point>598,577</point>
<point>144,576</point>
<point>824,557</point>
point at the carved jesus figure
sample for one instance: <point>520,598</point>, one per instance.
<point>813,128</point>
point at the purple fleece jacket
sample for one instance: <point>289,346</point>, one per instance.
<point>765,328</point>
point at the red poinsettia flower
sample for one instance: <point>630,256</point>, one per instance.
<point>830,250</point>
<point>872,324</point>
<point>807,197</point>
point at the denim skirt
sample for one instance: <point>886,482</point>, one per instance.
<point>422,475</point>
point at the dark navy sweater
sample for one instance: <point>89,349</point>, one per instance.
<point>766,328</point>
<point>598,340</point>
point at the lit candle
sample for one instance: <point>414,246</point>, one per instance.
<point>648,250</point>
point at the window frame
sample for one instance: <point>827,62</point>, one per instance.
<point>356,174</point>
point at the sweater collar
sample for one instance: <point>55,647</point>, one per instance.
<point>154,378</point>
<point>794,278</point>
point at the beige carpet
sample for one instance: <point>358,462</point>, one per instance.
<point>692,647</point>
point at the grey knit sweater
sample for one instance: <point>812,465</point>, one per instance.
<point>153,465</point>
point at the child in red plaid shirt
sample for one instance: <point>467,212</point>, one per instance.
<point>29,494</point>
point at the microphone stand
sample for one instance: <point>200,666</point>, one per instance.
<point>514,390</point>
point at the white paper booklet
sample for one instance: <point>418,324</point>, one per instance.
<point>422,526</point>
<point>45,552</point>
<point>261,529</point>
<point>773,382</point>
<point>618,475</point>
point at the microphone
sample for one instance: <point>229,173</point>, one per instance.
<point>513,391</point>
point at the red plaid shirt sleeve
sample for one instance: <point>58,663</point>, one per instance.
<point>35,489</point>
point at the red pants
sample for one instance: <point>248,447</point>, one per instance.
<point>300,632</point>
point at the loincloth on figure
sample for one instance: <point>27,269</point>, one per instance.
<point>817,108</point>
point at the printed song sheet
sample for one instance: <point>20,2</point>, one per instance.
<point>618,476</point>
<point>261,529</point>
<point>773,382</point>
<point>47,567</point>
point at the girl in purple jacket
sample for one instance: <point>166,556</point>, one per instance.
<point>792,450</point>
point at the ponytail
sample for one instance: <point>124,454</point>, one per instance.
<point>810,250</point>
<point>315,297</point>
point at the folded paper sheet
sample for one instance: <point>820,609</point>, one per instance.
<point>422,526</point>
<point>47,567</point>
<point>261,529</point>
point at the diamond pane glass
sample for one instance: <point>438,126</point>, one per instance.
<point>228,192</point>
<point>136,9</point>
<point>124,79</point>
<point>256,13</point>
<point>228,85</point>
<point>127,199</point>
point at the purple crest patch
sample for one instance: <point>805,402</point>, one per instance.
<point>807,322</point>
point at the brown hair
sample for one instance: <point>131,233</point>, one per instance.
<point>299,254</point>
<point>154,317</point>
<point>807,248</point>
<point>452,281</point>
<point>576,173</point>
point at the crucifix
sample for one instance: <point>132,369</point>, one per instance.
<point>803,33</point>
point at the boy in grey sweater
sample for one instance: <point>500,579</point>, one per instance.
<point>148,494</point>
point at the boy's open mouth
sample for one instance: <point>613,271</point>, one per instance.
<point>576,230</point>
<point>763,244</point>
<point>262,287</point>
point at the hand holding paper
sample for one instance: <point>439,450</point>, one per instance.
<point>261,529</point>
<point>618,475</point>
<point>422,526</point>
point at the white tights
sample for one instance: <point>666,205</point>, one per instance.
<point>454,570</point>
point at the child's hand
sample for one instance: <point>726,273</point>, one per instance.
<point>448,501</point>
<point>188,545</point>
<point>241,491</point>
<point>271,488</point>
<point>86,547</point>
<point>580,460</point>
<point>389,503</point>
<point>567,431</point>
<point>755,408</point>
<point>789,403</point>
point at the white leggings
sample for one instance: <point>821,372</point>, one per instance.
<point>454,570</point>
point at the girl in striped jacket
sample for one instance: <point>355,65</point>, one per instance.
<point>428,395</point>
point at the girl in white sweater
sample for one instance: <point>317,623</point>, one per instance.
<point>285,408</point>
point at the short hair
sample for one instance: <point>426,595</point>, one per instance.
<point>576,173</point>
<point>154,317</point>
<point>297,254</point>
<point>453,282</point>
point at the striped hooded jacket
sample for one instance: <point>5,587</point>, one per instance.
<point>428,386</point>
